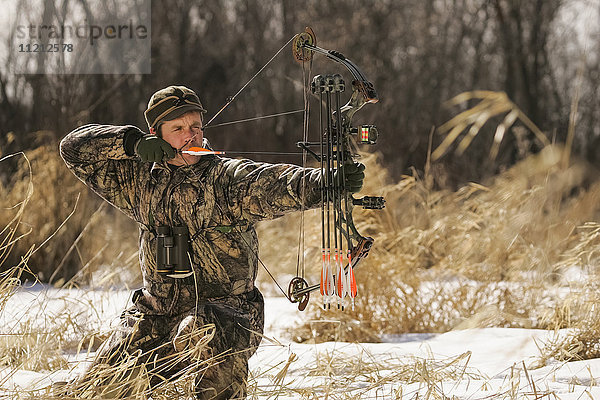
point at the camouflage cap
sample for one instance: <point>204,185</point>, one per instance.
<point>170,103</point>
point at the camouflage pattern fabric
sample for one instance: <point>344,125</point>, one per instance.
<point>219,200</point>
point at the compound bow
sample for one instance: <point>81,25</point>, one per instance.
<point>336,152</point>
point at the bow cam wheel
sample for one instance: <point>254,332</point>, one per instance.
<point>300,53</point>
<point>296,293</point>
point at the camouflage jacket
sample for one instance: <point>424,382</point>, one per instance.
<point>219,200</point>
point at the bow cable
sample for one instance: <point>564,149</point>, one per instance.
<point>254,119</point>
<point>300,266</point>
<point>232,98</point>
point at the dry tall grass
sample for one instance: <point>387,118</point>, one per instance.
<point>494,254</point>
<point>521,250</point>
<point>31,215</point>
<point>335,375</point>
<point>79,232</point>
<point>502,253</point>
<point>41,338</point>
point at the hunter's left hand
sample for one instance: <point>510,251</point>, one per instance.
<point>354,176</point>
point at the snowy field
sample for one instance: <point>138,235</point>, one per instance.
<point>466,364</point>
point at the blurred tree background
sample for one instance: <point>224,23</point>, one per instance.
<point>417,53</point>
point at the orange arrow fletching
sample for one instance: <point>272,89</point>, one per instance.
<point>201,151</point>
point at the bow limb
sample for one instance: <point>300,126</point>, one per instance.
<point>305,44</point>
<point>362,84</point>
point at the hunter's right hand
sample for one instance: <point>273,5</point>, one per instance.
<point>151,148</point>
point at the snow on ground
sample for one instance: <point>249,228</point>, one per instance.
<point>465,364</point>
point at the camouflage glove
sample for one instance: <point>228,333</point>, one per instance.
<point>151,148</point>
<point>354,175</point>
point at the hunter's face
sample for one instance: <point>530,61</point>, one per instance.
<point>182,133</point>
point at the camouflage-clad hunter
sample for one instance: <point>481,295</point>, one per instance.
<point>218,201</point>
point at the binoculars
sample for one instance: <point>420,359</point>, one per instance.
<point>172,252</point>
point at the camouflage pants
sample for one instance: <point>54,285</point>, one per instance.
<point>210,344</point>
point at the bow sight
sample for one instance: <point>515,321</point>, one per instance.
<point>342,246</point>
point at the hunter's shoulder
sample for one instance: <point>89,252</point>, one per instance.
<point>95,129</point>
